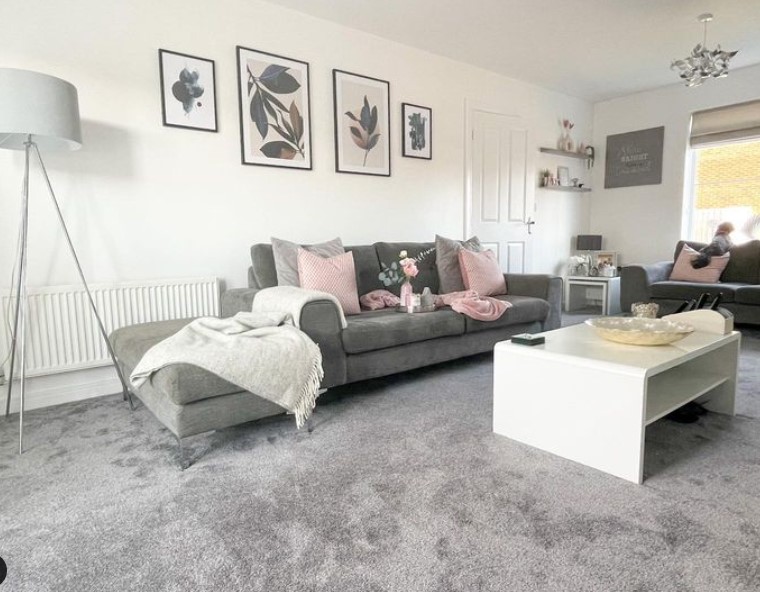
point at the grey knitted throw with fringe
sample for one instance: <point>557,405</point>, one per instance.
<point>259,352</point>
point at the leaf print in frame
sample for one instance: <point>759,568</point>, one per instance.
<point>362,124</point>
<point>275,110</point>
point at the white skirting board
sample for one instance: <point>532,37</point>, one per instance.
<point>56,389</point>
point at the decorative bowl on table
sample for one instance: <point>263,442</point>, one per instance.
<point>639,330</point>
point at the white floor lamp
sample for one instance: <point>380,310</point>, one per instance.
<point>38,111</point>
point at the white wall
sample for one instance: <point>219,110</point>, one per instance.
<point>145,201</point>
<point>644,223</point>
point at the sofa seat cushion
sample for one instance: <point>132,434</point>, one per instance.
<point>524,309</point>
<point>380,329</point>
<point>676,290</point>
<point>181,383</point>
<point>747,295</point>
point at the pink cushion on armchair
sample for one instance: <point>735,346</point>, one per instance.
<point>334,275</point>
<point>481,272</point>
<point>684,272</point>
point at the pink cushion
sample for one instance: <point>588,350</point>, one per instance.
<point>684,272</point>
<point>334,275</point>
<point>481,272</point>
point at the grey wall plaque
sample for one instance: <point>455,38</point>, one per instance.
<point>634,158</point>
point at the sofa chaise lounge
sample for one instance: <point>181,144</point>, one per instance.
<point>189,400</point>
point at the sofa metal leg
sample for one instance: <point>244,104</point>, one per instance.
<point>309,425</point>
<point>183,461</point>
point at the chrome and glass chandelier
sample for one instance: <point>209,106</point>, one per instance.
<point>703,63</point>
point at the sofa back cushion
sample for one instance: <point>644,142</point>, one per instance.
<point>263,273</point>
<point>743,266</point>
<point>388,254</point>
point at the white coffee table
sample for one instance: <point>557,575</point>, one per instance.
<point>589,400</point>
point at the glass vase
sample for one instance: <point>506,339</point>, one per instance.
<point>406,295</point>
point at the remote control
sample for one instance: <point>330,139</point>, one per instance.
<point>528,339</point>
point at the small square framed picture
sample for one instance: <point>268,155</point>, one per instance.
<point>563,176</point>
<point>606,259</point>
<point>188,91</point>
<point>417,131</point>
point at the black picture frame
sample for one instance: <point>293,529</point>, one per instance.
<point>356,133</point>
<point>416,143</point>
<point>290,145</point>
<point>181,105</point>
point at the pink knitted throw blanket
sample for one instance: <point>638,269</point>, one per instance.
<point>480,308</point>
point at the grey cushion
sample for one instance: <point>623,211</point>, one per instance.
<point>262,271</point>
<point>181,383</point>
<point>367,268</point>
<point>387,328</point>
<point>388,253</point>
<point>447,261</point>
<point>744,264</point>
<point>747,295</point>
<point>524,309</point>
<point>675,290</point>
<point>286,257</point>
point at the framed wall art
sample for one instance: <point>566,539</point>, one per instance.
<point>275,110</point>
<point>362,124</point>
<point>634,158</point>
<point>416,131</point>
<point>188,91</point>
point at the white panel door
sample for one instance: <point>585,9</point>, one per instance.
<point>500,192</point>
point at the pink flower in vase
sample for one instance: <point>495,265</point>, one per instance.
<point>409,267</point>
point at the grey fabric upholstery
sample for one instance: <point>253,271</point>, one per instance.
<point>262,264</point>
<point>367,267</point>
<point>370,331</point>
<point>524,309</point>
<point>447,261</point>
<point>739,285</point>
<point>237,300</point>
<point>387,253</point>
<point>392,360</point>
<point>285,255</point>
<point>321,322</point>
<point>674,290</point>
<point>181,383</point>
<point>546,287</point>
<point>747,295</point>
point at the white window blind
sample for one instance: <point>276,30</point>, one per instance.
<point>732,123</point>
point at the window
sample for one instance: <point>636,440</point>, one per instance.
<point>723,172</point>
<point>725,187</point>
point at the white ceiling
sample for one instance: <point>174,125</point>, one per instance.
<point>595,49</point>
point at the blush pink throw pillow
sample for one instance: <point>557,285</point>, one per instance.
<point>481,272</point>
<point>334,275</point>
<point>684,272</point>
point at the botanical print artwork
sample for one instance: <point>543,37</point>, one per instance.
<point>417,130</point>
<point>274,110</point>
<point>188,93</point>
<point>365,135</point>
<point>362,124</point>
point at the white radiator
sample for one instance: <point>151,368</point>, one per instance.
<point>62,333</point>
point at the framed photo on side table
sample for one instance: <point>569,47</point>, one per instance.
<point>188,91</point>
<point>275,110</point>
<point>362,124</point>
<point>605,259</point>
<point>416,131</point>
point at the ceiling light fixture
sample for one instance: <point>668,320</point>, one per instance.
<point>703,63</point>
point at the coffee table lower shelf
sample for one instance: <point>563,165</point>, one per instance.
<point>588,400</point>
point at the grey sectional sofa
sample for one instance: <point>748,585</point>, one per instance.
<point>739,284</point>
<point>189,400</point>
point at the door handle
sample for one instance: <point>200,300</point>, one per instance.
<point>529,223</point>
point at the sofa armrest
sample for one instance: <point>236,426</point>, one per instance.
<point>635,282</point>
<point>237,300</point>
<point>320,320</point>
<point>547,287</point>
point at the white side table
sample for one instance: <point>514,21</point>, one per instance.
<point>607,288</point>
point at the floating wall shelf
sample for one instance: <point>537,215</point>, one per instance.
<point>578,155</point>
<point>566,188</point>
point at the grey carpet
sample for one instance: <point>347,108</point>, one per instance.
<point>401,487</point>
